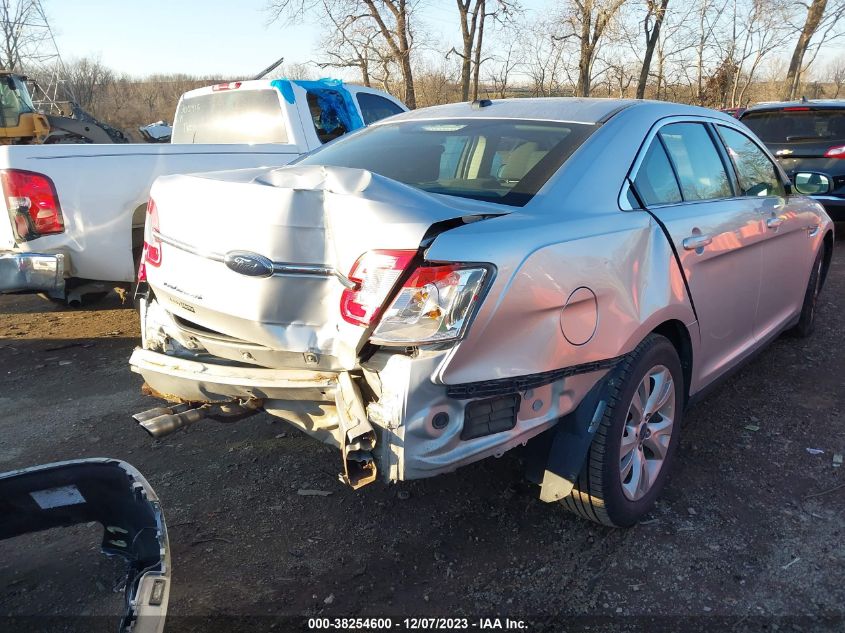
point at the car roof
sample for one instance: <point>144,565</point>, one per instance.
<point>565,109</point>
<point>815,104</point>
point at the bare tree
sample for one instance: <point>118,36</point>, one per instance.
<point>13,21</point>
<point>760,27</point>
<point>391,19</point>
<point>86,78</point>
<point>473,15</point>
<point>836,75</point>
<point>543,55</point>
<point>586,21</point>
<point>822,17</point>
<point>653,20</point>
<point>504,65</point>
<point>350,44</point>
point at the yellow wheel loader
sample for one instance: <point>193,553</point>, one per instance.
<point>22,124</point>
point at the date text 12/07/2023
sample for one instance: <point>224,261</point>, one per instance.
<point>416,624</point>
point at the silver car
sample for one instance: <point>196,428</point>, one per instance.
<point>458,281</point>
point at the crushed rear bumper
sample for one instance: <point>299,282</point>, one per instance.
<point>195,381</point>
<point>31,272</point>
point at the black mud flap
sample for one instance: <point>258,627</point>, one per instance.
<point>554,459</point>
<point>117,496</point>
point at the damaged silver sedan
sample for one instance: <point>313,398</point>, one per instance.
<point>458,281</point>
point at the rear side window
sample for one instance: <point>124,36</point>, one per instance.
<point>230,116</point>
<point>756,174</point>
<point>790,126</point>
<point>374,108</point>
<point>697,162</point>
<point>330,114</point>
<point>655,181</point>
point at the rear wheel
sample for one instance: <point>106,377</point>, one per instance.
<point>634,446</point>
<point>807,321</point>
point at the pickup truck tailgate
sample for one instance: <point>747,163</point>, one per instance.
<point>250,254</point>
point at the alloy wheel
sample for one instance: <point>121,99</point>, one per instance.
<point>647,432</point>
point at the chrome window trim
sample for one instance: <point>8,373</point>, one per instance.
<point>649,138</point>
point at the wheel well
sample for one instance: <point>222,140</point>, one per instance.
<point>827,245</point>
<point>678,335</point>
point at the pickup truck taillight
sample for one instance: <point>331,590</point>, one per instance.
<point>434,304</point>
<point>33,204</point>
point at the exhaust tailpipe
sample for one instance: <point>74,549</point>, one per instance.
<point>163,421</point>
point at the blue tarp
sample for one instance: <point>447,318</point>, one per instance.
<point>336,102</point>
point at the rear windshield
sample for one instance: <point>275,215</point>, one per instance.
<point>230,116</point>
<point>782,126</point>
<point>503,161</point>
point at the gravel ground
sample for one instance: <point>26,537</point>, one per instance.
<point>748,534</point>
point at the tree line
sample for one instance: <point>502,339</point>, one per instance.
<point>717,53</point>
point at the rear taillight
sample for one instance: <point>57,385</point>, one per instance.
<point>152,243</point>
<point>374,273</point>
<point>837,151</point>
<point>33,204</point>
<point>434,305</point>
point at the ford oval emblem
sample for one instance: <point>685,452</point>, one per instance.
<point>249,264</point>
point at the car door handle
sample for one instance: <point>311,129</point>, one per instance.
<point>774,223</point>
<point>696,241</point>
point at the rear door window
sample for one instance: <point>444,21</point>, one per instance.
<point>700,169</point>
<point>374,108</point>
<point>655,182</point>
<point>230,116</point>
<point>756,174</point>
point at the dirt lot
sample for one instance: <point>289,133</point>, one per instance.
<point>748,535</point>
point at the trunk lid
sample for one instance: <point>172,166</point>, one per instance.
<point>308,220</point>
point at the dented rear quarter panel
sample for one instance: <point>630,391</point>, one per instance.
<point>572,235</point>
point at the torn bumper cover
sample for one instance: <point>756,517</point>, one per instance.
<point>33,272</point>
<point>192,381</point>
<point>117,496</point>
<point>390,418</point>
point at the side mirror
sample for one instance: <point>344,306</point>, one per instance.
<point>811,183</point>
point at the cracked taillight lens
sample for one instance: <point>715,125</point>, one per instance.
<point>375,273</point>
<point>434,305</point>
<point>152,244</point>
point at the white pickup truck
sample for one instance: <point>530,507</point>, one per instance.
<point>76,212</point>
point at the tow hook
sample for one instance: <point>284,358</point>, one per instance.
<point>357,436</point>
<point>162,421</point>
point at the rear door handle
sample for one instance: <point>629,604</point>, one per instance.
<point>774,223</point>
<point>696,241</point>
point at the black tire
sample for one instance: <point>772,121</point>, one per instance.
<point>598,493</point>
<point>807,321</point>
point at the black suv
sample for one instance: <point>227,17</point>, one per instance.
<point>808,138</point>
